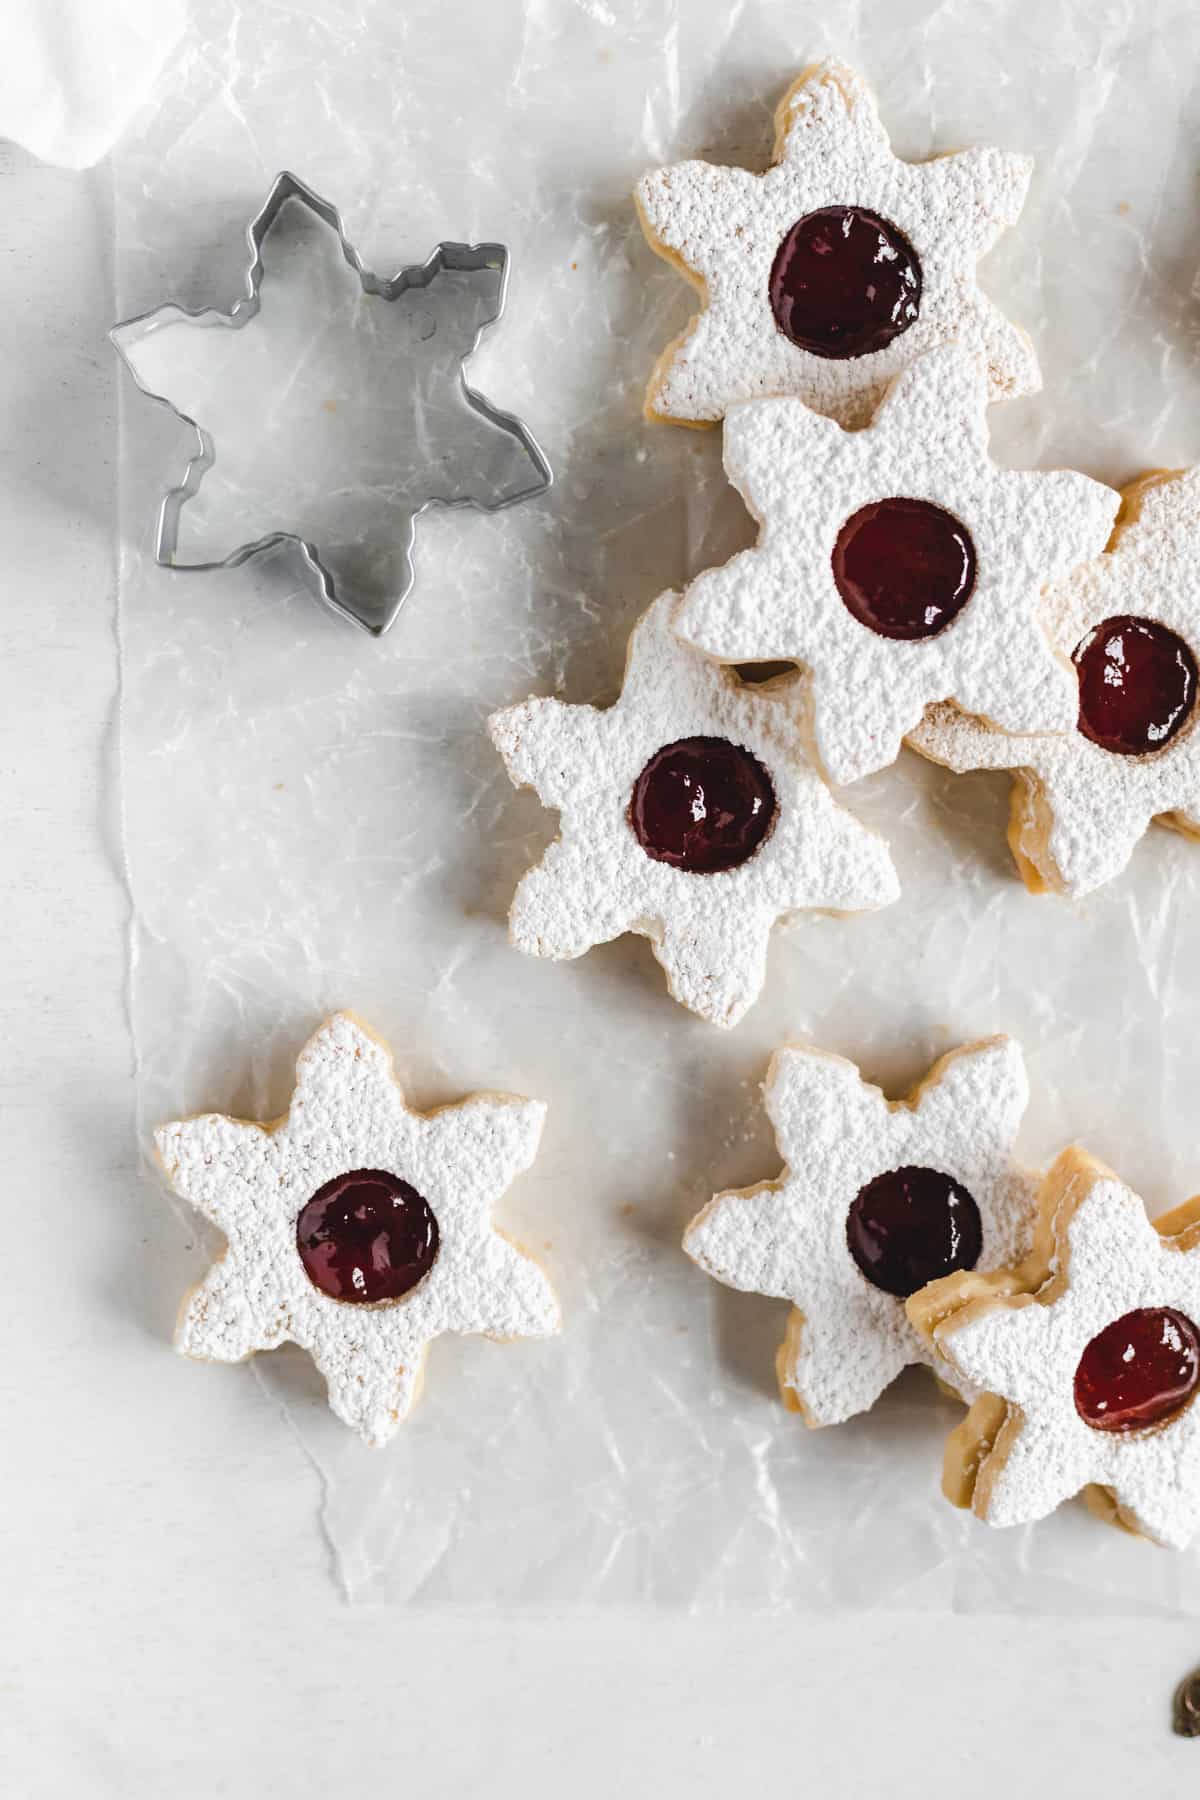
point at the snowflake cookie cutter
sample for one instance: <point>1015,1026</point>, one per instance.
<point>447,258</point>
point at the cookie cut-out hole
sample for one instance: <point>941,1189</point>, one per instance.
<point>844,283</point>
<point>904,568</point>
<point>1137,685</point>
<point>1141,1370</point>
<point>702,804</point>
<point>911,1225</point>
<point>367,1237</point>
<point>754,674</point>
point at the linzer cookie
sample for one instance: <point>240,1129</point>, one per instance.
<point>831,271</point>
<point>1089,1353</point>
<point>358,1228</point>
<point>1130,622</point>
<point>899,565</point>
<point>877,1198</point>
<point>690,814</point>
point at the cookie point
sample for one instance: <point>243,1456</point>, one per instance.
<point>835,73</point>
<point>531,1118</point>
<point>502,728</point>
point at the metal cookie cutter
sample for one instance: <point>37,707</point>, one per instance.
<point>316,458</point>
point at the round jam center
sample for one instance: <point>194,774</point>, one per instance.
<point>910,1226</point>
<point>702,804</point>
<point>366,1237</point>
<point>1137,685</point>
<point>904,568</point>
<point>844,282</point>
<point>1141,1370</point>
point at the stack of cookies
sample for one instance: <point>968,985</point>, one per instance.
<point>906,1232</point>
<point>1036,621</point>
<point>991,618</point>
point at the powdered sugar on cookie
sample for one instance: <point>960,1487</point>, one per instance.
<point>871,1183</point>
<point>1048,1427</point>
<point>834,171</point>
<point>1080,808</point>
<point>919,482</point>
<point>437,1175</point>
<point>690,814</point>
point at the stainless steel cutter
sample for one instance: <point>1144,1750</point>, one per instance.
<point>373,610</point>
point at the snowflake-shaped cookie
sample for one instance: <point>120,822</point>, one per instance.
<point>1048,1424</point>
<point>690,814</point>
<point>354,1193</point>
<point>817,492</point>
<point>1078,808</point>
<point>871,1183</point>
<point>835,177</point>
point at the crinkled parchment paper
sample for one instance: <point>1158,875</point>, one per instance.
<point>316,820</point>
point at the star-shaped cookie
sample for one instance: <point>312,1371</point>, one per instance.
<point>690,814</point>
<point>831,271</point>
<point>875,1197</point>
<point>1090,1358</point>
<point>1080,806</point>
<point>358,1228</point>
<point>899,565</point>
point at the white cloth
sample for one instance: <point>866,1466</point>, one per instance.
<point>74,72</point>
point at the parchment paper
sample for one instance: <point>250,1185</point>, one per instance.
<point>315,820</point>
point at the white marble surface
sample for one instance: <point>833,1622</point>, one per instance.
<point>170,1619</point>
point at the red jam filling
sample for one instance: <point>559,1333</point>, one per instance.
<point>1141,1370</point>
<point>904,568</point>
<point>911,1225</point>
<point>702,804</point>
<point>366,1237</point>
<point>1137,685</point>
<point>844,282</point>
